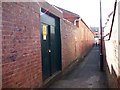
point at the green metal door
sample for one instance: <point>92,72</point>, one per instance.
<point>50,46</point>
<point>45,52</point>
<point>54,50</point>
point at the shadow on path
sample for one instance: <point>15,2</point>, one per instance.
<point>85,75</point>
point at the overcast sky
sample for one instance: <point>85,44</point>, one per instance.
<point>87,9</point>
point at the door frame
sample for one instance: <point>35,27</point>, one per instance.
<point>57,35</point>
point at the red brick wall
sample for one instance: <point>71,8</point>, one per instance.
<point>75,41</point>
<point>21,48</point>
<point>0,45</point>
<point>21,55</point>
<point>69,17</point>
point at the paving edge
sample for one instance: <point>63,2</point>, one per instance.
<point>75,63</point>
<point>58,75</point>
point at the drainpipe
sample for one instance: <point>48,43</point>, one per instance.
<point>101,53</point>
<point>113,19</point>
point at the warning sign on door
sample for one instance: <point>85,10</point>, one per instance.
<point>44,30</point>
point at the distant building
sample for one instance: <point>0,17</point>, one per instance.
<point>96,31</point>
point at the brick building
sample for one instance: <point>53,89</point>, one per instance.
<point>70,16</point>
<point>111,47</point>
<point>96,31</point>
<point>38,43</point>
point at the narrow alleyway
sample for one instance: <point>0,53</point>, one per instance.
<point>86,75</point>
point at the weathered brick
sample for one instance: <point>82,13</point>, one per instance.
<point>21,46</point>
<point>19,33</point>
<point>74,41</point>
<point>111,50</point>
